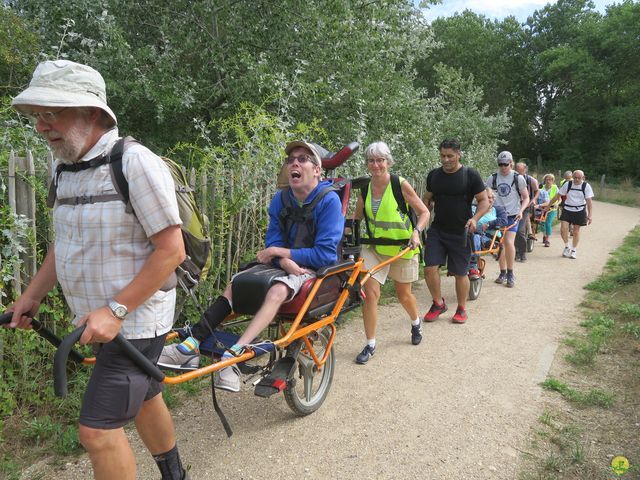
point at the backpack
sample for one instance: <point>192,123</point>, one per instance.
<point>513,184</point>
<point>303,216</point>
<point>195,225</point>
<point>403,208</point>
<point>584,188</point>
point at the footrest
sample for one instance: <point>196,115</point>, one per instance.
<point>276,381</point>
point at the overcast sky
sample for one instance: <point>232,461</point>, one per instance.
<point>521,9</point>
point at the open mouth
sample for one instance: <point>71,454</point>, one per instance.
<point>296,174</point>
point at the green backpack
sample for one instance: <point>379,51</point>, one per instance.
<point>195,225</point>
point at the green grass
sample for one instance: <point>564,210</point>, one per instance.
<point>593,397</point>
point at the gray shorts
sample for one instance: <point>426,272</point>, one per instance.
<point>117,387</point>
<point>295,283</point>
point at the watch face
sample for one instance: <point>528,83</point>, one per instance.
<point>120,311</point>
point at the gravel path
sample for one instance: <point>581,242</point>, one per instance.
<point>458,406</point>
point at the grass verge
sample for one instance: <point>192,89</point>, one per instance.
<point>594,419</point>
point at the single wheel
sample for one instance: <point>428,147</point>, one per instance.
<point>474,288</point>
<point>531,242</point>
<point>309,387</point>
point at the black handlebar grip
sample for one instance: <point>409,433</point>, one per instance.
<point>45,333</point>
<point>60,360</point>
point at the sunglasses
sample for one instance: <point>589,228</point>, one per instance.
<point>300,159</point>
<point>46,116</point>
<point>504,164</point>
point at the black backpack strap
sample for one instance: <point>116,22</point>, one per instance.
<point>120,183</point>
<point>364,190</point>
<point>396,187</point>
<point>494,176</point>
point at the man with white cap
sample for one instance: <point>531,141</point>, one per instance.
<point>512,195</point>
<point>294,246</point>
<point>112,264</point>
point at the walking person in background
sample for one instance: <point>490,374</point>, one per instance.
<point>387,217</point>
<point>550,187</point>
<point>116,268</point>
<point>524,227</point>
<point>512,195</point>
<point>577,211</point>
<point>450,191</point>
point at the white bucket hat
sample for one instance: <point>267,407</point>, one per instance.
<point>61,83</point>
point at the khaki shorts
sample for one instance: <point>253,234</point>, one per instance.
<point>403,270</point>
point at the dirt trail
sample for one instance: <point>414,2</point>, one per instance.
<point>458,406</point>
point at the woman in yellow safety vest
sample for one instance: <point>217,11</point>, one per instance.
<point>389,229</point>
<point>551,188</point>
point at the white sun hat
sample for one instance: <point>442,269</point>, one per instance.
<point>62,83</point>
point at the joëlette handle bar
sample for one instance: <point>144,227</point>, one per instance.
<point>45,333</point>
<point>381,265</point>
<point>60,360</point>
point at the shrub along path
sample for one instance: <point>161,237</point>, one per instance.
<point>460,405</point>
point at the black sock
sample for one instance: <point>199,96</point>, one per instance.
<point>509,272</point>
<point>503,272</point>
<point>215,314</point>
<point>170,465</point>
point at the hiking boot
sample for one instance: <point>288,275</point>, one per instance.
<point>511,280</point>
<point>566,252</point>
<point>474,274</point>
<point>501,278</point>
<point>435,311</point>
<point>174,359</point>
<point>228,379</point>
<point>573,254</point>
<point>545,241</point>
<point>416,334</point>
<point>460,316</point>
<point>367,352</point>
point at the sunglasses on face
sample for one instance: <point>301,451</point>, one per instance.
<point>504,164</point>
<point>300,159</point>
<point>46,116</point>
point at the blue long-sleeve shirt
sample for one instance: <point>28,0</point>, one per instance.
<point>329,223</point>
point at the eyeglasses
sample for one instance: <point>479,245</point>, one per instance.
<point>376,160</point>
<point>300,159</point>
<point>46,116</point>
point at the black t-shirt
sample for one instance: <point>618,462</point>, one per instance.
<point>453,194</point>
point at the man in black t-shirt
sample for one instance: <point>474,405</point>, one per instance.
<point>451,188</point>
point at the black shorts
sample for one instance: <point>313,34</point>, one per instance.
<point>117,387</point>
<point>453,248</point>
<point>574,218</point>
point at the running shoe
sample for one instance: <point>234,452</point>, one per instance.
<point>460,316</point>
<point>573,254</point>
<point>511,280</point>
<point>416,334</point>
<point>474,274</point>
<point>566,252</point>
<point>228,379</point>
<point>174,359</point>
<point>501,278</point>
<point>435,311</point>
<point>366,353</point>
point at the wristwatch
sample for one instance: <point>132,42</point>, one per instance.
<point>117,309</point>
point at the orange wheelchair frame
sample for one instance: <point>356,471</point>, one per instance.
<point>495,248</point>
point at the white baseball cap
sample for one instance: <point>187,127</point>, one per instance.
<point>504,157</point>
<point>309,146</point>
<point>62,83</point>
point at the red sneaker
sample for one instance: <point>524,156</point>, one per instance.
<point>460,316</point>
<point>435,311</point>
<point>474,274</point>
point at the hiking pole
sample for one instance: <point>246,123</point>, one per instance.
<point>60,360</point>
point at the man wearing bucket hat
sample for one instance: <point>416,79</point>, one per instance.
<point>294,246</point>
<point>112,265</point>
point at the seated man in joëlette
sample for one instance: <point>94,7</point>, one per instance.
<point>297,248</point>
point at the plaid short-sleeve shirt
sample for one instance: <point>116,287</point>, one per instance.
<point>100,248</point>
